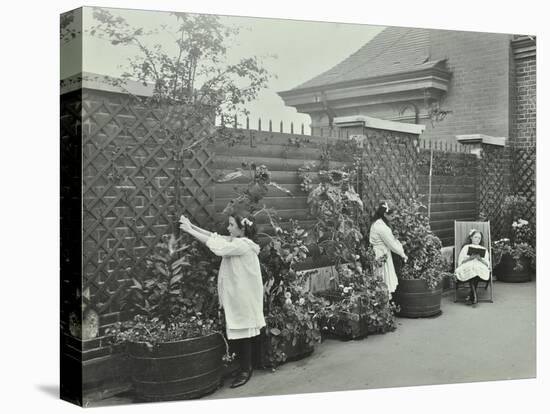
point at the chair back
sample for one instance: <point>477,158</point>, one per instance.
<point>463,228</point>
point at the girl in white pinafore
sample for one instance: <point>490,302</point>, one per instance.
<point>240,286</point>
<point>473,268</point>
<point>383,242</point>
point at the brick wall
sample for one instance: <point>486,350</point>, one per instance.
<point>523,132</point>
<point>479,93</point>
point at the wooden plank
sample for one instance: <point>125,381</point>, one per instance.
<point>267,229</point>
<point>454,215</point>
<point>280,177</point>
<point>447,180</point>
<point>280,138</point>
<point>277,203</point>
<point>447,189</point>
<point>447,241</point>
<point>224,162</point>
<point>284,215</point>
<point>312,153</point>
<point>452,197</point>
<point>441,225</point>
<point>227,190</point>
<point>445,233</point>
<point>456,206</point>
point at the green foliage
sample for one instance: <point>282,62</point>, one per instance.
<point>192,82</point>
<point>514,207</point>
<point>304,173</point>
<point>423,248</point>
<point>153,331</point>
<point>289,325</point>
<point>193,69</point>
<point>338,211</point>
<point>173,294</point>
<point>361,303</point>
<point>248,199</point>
<point>68,28</point>
<point>288,306</point>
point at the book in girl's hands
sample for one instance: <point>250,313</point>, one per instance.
<point>480,251</point>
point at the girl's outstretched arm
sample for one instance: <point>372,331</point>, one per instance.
<point>187,227</point>
<point>201,230</point>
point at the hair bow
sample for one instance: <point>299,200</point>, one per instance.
<point>246,222</point>
<point>386,207</point>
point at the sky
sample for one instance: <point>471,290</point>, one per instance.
<point>302,50</point>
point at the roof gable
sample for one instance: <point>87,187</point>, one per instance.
<point>394,50</point>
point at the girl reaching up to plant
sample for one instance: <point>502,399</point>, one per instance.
<point>473,267</point>
<point>240,287</point>
<point>383,243</point>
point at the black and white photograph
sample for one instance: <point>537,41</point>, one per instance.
<point>255,209</point>
<point>250,222</point>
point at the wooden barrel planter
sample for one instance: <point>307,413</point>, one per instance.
<point>505,271</point>
<point>185,369</point>
<point>416,300</point>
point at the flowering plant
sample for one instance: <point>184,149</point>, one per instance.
<point>517,246</point>
<point>361,302</point>
<point>290,325</point>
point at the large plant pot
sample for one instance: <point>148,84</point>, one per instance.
<point>417,300</point>
<point>184,369</point>
<point>505,271</point>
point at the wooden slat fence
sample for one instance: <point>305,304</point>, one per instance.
<point>455,187</point>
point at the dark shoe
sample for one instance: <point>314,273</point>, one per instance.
<point>241,378</point>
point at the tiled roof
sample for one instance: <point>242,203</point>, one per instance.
<point>394,50</point>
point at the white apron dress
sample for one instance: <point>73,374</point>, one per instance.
<point>383,242</point>
<point>470,269</point>
<point>240,287</point>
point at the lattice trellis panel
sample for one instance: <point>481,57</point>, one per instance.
<point>494,186</point>
<point>389,167</point>
<point>70,206</point>
<point>135,185</point>
<point>524,175</point>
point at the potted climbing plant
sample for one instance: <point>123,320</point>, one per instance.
<point>291,332</point>
<point>419,291</point>
<point>174,339</point>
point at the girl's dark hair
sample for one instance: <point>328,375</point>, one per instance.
<point>246,224</point>
<point>469,238</point>
<point>383,208</point>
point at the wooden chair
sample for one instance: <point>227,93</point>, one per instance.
<point>462,228</point>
